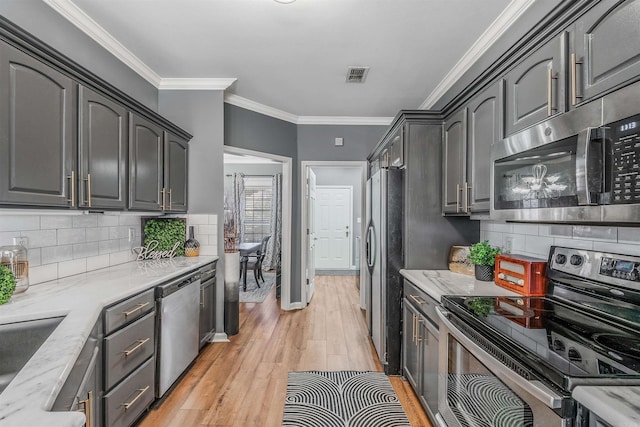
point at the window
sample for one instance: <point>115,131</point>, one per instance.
<point>257,212</point>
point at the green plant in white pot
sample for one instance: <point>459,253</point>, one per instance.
<point>483,256</point>
<point>7,284</point>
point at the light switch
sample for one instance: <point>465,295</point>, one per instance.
<point>339,142</point>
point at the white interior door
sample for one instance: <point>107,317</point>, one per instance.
<point>333,227</point>
<point>311,234</point>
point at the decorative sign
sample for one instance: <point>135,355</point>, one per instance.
<point>149,251</point>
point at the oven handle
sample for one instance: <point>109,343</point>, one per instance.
<point>582,167</point>
<point>535,388</point>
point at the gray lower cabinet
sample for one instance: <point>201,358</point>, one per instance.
<point>37,121</point>
<point>420,346</point>
<point>606,48</point>
<point>102,149</point>
<point>146,165</point>
<point>484,128</point>
<point>454,184</point>
<point>126,402</point>
<point>535,88</point>
<point>176,160</point>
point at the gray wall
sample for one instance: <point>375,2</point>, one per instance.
<point>43,22</point>
<point>345,176</point>
<point>201,114</point>
<point>316,142</point>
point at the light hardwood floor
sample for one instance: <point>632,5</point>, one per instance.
<point>243,383</point>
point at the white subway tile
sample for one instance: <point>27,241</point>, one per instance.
<point>207,229</point>
<point>6,237</point>
<point>120,232</point>
<point>528,229</point>
<point>213,219</point>
<point>41,238</point>
<point>495,239</point>
<point>538,245</point>
<point>628,235</point>
<point>617,248</point>
<point>95,234</point>
<point>71,235</point>
<point>483,235</point>
<point>70,268</point>
<point>109,246</point>
<point>555,230</point>
<point>52,222</point>
<point>573,243</point>
<point>502,227</point>
<point>84,250</point>
<point>107,220</point>
<point>131,220</point>
<point>596,233</point>
<point>197,219</point>
<point>53,254</point>
<point>517,242</point>
<point>84,221</point>
<point>119,257</point>
<point>211,250</point>
<point>19,223</point>
<point>43,273</point>
<point>203,239</point>
<point>97,262</point>
<point>34,257</point>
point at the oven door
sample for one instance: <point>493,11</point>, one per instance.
<point>476,390</point>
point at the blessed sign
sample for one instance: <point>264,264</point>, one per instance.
<point>149,251</point>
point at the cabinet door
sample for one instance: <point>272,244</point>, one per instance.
<point>429,394</point>
<point>454,166</point>
<point>396,148</point>
<point>607,43</point>
<point>146,165</point>
<point>176,160</point>
<point>103,151</point>
<point>535,89</point>
<point>485,117</point>
<point>207,311</point>
<point>37,116</point>
<point>411,347</point>
<point>88,400</point>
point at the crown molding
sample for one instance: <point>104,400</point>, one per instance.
<point>86,24</point>
<point>248,104</point>
<point>196,83</point>
<point>344,120</point>
<point>497,28</point>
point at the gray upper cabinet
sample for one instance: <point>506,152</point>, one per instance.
<point>175,173</point>
<point>606,48</point>
<point>484,128</point>
<point>146,165</point>
<point>37,119</point>
<point>102,152</point>
<point>454,186</point>
<point>535,88</point>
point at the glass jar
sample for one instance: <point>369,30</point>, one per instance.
<point>16,259</point>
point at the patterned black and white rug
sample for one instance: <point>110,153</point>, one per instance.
<point>255,293</point>
<point>342,399</point>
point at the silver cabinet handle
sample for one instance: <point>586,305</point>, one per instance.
<point>574,79</point>
<point>458,189</point>
<point>162,197</point>
<point>170,200</point>
<point>550,80</point>
<point>141,391</point>
<point>467,191</point>
<point>88,180</point>
<point>72,178</point>
<point>136,347</point>
<point>136,309</point>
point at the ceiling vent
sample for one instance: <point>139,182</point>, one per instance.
<point>357,74</point>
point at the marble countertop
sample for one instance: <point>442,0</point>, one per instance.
<point>437,283</point>
<point>616,405</point>
<point>27,400</point>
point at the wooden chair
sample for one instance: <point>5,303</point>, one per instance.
<point>255,262</point>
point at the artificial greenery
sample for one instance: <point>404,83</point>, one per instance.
<point>480,306</point>
<point>7,284</point>
<point>167,232</point>
<point>483,253</point>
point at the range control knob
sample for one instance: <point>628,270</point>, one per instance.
<point>632,276</point>
<point>558,345</point>
<point>574,355</point>
<point>575,260</point>
<point>501,276</point>
<point>561,259</point>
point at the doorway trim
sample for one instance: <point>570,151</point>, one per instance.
<point>287,193</point>
<point>304,165</point>
<point>351,255</point>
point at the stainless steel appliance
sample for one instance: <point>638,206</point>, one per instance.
<point>583,165</point>
<point>178,310</point>
<point>515,360</point>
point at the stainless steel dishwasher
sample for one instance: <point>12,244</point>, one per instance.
<point>178,311</point>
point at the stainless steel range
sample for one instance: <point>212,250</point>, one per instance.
<point>515,360</point>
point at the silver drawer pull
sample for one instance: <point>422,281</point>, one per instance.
<point>136,309</point>
<point>417,299</point>
<point>141,391</point>
<point>137,347</point>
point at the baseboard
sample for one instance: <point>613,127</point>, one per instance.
<point>296,306</point>
<point>337,272</point>
<point>220,337</point>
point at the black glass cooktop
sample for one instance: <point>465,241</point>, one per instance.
<point>554,338</point>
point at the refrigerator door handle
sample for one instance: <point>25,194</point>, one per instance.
<point>371,245</point>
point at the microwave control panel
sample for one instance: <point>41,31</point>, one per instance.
<point>625,146</point>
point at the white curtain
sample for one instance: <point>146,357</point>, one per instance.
<point>272,256</point>
<point>238,204</point>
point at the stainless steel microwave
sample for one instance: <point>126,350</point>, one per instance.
<point>582,166</point>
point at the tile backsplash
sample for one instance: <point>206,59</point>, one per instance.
<point>536,239</point>
<point>64,245</point>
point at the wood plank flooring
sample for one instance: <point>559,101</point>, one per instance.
<point>244,382</point>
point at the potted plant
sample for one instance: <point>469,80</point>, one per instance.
<point>483,256</point>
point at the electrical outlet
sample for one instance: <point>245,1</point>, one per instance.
<point>132,234</point>
<point>508,244</point>
<point>21,240</point>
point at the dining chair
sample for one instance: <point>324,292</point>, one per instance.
<point>255,262</point>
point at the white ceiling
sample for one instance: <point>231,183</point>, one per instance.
<point>294,57</point>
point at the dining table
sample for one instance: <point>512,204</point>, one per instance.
<point>246,250</point>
